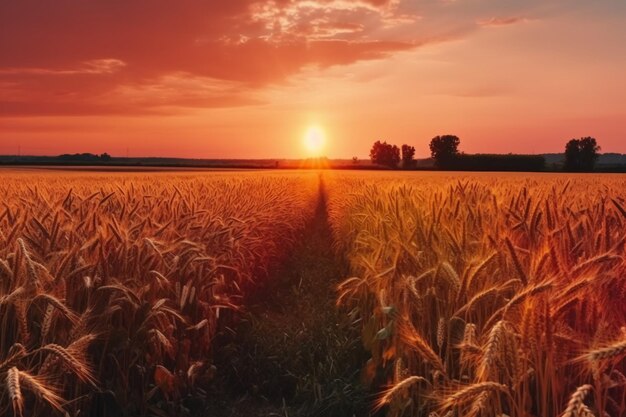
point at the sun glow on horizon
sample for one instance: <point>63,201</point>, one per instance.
<point>314,141</point>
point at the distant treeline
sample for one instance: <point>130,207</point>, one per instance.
<point>497,162</point>
<point>88,159</point>
<point>77,158</point>
<point>581,155</point>
<point>445,155</point>
<point>84,157</point>
<point>459,161</point>
<point>606,159</point>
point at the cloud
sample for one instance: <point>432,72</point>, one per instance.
<point>94,66</point>
<point>501,21</point>
<point>62,93</point>
<point>90,57</point>
<point>70,57</point>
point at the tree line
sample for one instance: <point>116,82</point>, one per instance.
<point>580,156</point>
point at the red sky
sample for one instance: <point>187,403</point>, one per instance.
<point>247,78</point>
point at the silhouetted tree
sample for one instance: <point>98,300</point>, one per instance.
<point>385,154</point>
<point>581,154</point>
<point>444,149</point>
<point>355,160</point>
<point>589,149</point>
<point>408,156</point>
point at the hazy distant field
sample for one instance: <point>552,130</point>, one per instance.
<point>483,294</point>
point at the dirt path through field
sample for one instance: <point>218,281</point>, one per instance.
<point>294,353</point>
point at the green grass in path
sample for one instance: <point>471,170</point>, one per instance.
<point>294,353</point>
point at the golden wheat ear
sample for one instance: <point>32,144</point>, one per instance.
<point>42,389</point>
<point>576,407</point>
<point>73,357</point>
<point>17,381</point>
<point>471,392</point>
<point>15,392</point>
<point>396,389</point>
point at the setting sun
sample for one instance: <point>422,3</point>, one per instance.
<point>314,140</point>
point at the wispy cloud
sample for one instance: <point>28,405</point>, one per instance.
<point>501,21</point>
<point>94,67</point>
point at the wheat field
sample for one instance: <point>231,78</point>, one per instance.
<point>112,285</point>
<point>474,294</point>
<point>483,295</point>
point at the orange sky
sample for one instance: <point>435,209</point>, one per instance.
<point>247,78</point>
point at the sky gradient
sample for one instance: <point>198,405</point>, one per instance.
<point>248,78</point>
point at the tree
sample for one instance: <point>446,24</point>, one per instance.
<point>588,153</point>
<point>444,149</point>
<point>385,154</point>
<point>355,160</point>
<point>572,155</point>
<point>581,154</point>
<point>408,156</point>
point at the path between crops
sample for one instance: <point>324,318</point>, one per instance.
<point>294,353</point>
